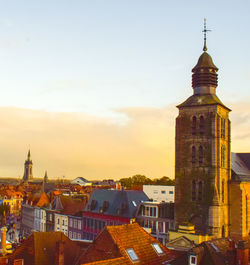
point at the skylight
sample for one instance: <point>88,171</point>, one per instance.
<point>157,248</point>
<point>132,254</point>
<point>134,203</point>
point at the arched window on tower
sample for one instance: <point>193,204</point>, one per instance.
<point>223,190</point>
<point>193,155</point>
<point>222,157</point>
<point>200,155</point>
<point>200,187</point>
<point>223,125</point>
<point>193,190</point>
<point>202,125</point>
<point>194,123</point>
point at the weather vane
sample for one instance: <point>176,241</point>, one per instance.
<point>205,35</point>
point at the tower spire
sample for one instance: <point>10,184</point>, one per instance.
<point>205,30</point>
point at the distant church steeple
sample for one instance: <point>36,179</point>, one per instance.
<point>28,175</point>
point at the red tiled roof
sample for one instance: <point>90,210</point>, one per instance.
<point>116,261</point>
<point>113,242</point>
<point>40,249</point>
<point>43,201</point>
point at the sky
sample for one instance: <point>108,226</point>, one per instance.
<point>90,86</point>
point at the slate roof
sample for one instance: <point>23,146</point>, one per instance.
<point>240,165</point>
<point>122,203</point>
<point>40,248</point>
<point>201,100</point>
<point>111,245</point>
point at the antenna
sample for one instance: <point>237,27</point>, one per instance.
<point>205,30</point>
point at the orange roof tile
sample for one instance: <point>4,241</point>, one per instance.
<point>115,240</point>
<point>40,248</point>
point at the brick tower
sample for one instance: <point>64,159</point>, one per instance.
<point>202,162</point>
<point>28,175</point>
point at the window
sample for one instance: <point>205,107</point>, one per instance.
<point>200,155</point>
<point>200,191</point>
<point>202,125</point>
<point>131,253</point>
<point>155,191</point>
<point>223,124</point>
<point>58,221</point>
<point>50,217</point>
<point>222,190</point>
<point>70,223</point>
<point>154,211</point>
<point>192,260</point>
<point>70,234</point>
<point>171,192</point>
<point>79,224</point>
<point>193,190</point>
<point>157,248</point>
<point>62,222</point>
<point>160,227</point>
<point>194,125</point>
<point>193,155</point>
<point>222,156</point>
<point>134,203</point>
<point>163,192</point>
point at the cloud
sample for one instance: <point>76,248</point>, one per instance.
<point>77,144</point>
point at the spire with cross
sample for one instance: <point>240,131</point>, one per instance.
<point>205,30</point>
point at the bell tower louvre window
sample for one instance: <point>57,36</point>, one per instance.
<point>202,121</point>
<point>193,155</point>
<point>193,190</point>
<point>194,123</point>
<point>200,155</point>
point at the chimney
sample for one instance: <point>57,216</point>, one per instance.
<point>3,240</point>
<point>59,253</point>
<point>242,252</point>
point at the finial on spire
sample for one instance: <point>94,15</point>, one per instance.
<point>205,30</point>
<point>29,154</point>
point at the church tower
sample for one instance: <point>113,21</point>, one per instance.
<point>28,175</point>
<point>202,162</point>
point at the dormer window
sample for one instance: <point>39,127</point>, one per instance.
<point>93,204</point>
<point>105,206</point>
<point>157,248</point>
<point>192,260</point>
<point>132,255</point>
<point>194,125</point>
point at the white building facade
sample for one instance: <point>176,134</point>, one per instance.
<point>40,220</point>
<point>158,193</point>
<point>61,223</point>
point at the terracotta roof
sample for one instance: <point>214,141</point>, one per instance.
<point>40,249</point>
<point>68,205</point>
<point>113,242</point>
<point>116,261</point>
<point>43,201</point>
